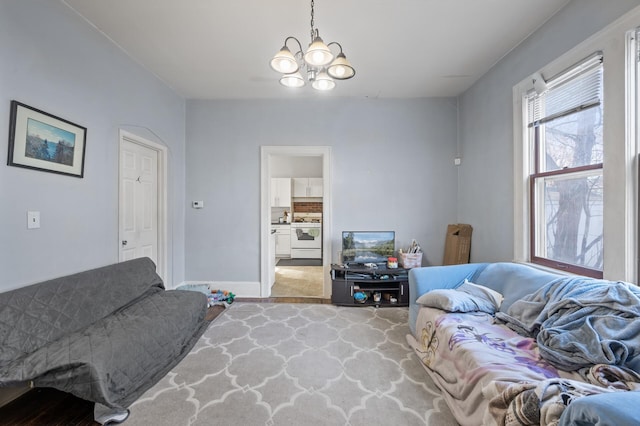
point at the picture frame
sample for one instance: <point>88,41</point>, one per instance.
<point>41,141</point>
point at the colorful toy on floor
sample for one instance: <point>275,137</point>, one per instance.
<point>220,297</point>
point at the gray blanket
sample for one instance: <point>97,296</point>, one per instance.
<point>105,335</point>
<point>579,322</point>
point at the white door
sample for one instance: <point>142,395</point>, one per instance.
<point>138,201</point>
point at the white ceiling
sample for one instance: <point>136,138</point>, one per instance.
<point>214,49</point>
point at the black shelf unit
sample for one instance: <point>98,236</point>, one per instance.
<point>389,283</point>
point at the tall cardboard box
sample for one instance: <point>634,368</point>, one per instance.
<point>457,245</point>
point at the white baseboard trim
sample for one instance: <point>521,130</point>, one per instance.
<point>239,288</point>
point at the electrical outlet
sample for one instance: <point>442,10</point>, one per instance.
<point>457,161</point>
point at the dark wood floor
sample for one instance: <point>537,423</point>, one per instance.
<point>46,406</point>
<point>51,407</point>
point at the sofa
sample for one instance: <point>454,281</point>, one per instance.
<point>512,344</point>
<point>105,335</point>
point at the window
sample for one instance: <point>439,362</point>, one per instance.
<point>565,129</point>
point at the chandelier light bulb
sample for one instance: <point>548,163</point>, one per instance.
<point>323,82</point>
<point>317,58</point>
<point>339,71</point>
<point>292,80</point>
<point>286,66</point>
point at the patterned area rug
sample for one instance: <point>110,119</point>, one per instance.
<point>297,364</point>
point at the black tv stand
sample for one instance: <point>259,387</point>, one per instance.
<point>360,265</point>
<point>391,285</point>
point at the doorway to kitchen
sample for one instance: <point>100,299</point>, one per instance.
<point>295,221</point>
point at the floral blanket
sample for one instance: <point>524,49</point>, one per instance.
<point>465,353</point>
<point>491,375</point>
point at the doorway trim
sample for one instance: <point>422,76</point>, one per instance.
<point>266,152</point>
<point>163,259</point>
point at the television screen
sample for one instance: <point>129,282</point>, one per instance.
<point>367,247</point>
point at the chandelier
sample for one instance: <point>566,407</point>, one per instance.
<point>322,67</point>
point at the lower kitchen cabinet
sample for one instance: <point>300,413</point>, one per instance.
<point>283,240</point>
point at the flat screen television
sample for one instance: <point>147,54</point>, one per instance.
<point>367,246</point>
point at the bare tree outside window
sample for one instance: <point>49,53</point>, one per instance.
<point>567,181</point>
<point>574,206</point>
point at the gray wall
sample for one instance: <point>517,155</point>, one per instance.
<point>392,169</point>
<point>392,159</point>
<point>485,193</point>
<point>54,61</point>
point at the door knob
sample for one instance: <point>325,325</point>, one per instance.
<point>124,243</point>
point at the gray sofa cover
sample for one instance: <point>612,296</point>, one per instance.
<point>105,335</point>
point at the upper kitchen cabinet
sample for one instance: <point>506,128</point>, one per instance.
<point>316,187</point>
<point>280,192</point>
<point>307,187</point>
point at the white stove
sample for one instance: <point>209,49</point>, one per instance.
<point>306,236</point>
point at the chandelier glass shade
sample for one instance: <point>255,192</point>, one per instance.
<point>322,66</point>
<point>284,62</point>
<point>318,53</point>
<point>340,68</point>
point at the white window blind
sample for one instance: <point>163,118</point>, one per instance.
<point>571,92</point>
<point>637,44</point>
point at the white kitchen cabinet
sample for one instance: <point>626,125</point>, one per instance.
<point>280,192</point>
<point>283,240</point>
<point>307,187</point>
<point>300,187</point>
<point>315,187</point>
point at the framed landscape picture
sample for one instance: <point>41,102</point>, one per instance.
<point>41,141</point>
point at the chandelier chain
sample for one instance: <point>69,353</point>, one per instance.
<point>312,22</point>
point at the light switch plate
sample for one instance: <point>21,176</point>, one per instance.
<point>33,220</point>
